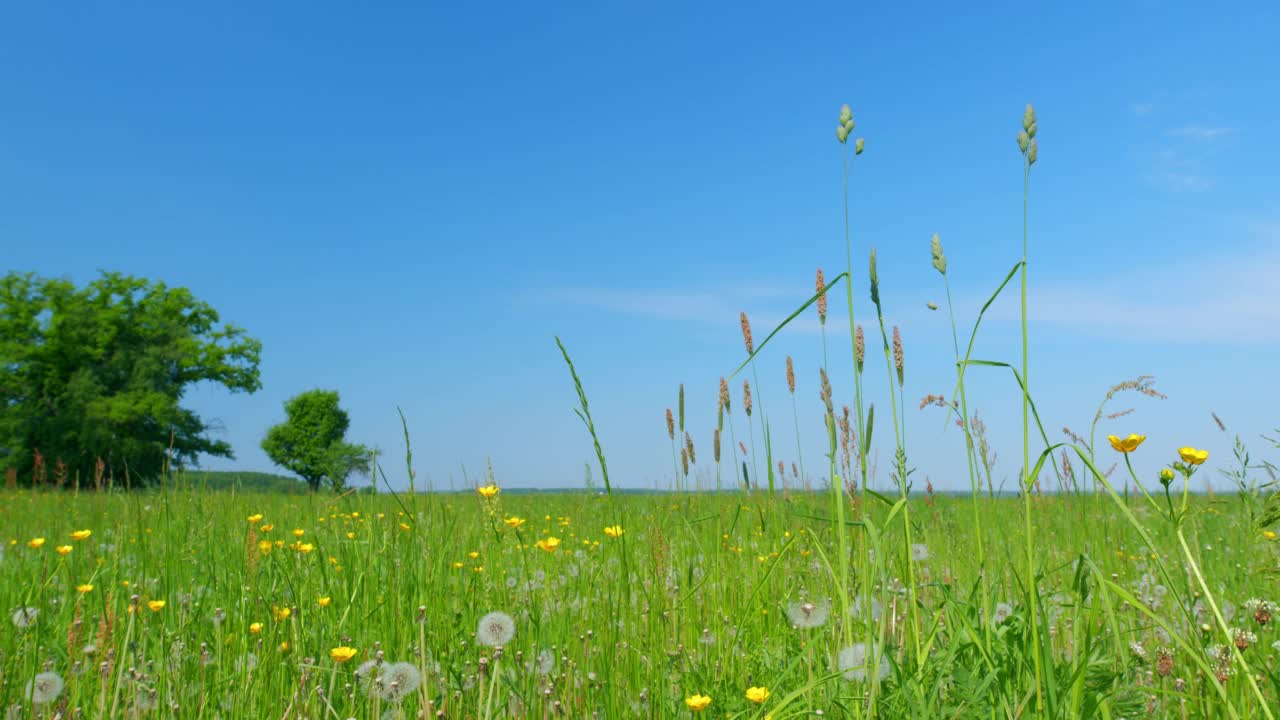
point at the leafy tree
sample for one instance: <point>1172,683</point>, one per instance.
<point>311,442</point>
<point>92,378</point>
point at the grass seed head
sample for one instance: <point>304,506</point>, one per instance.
<point>671,425</point>
<point>875,278</point>
<point>746,333</point>
<point>859,347</point>
<point>819,285</point>
<point>791,376</point>
<point>939,257</point>
<point>746,397</point>
<point>898,357</point>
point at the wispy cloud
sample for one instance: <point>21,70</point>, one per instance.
<point>767,306</point>
<point>1224,297</point>
<point>1183,160</point>
<point>1143,109</point>
<point>1200,132</point>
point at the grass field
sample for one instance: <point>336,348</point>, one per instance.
<point>699,595</point>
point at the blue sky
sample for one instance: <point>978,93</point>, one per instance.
<point>406,203</point>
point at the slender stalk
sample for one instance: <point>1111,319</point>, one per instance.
<point>1032,593</point>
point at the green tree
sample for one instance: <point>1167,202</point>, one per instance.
<point>311,442</point>
<point>96,374</point>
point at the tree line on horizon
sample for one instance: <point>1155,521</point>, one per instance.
<point>92,380</point>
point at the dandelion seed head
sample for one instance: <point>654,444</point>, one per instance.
<point>44,688</point>
<point>495,629</point>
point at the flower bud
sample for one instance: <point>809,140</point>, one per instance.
<point>1028,118</point>
<point>1166,476</point>
<point>846,115</point>
<point>857,146</point>
<point>1023,140</point>
<point>1033,152</point>
<point>842,133</point>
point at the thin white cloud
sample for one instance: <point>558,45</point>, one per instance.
<point>1227,297</point>
<point>1200,132</point>
<point>1143,109</point>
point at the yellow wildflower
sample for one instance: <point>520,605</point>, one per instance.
<point>757,695</point>
<point>514,522</point>
<point>255,628</point>
<point>1126,445</point>
<point>63,549</point>
<point>306,548</point>
<point>299,532</point>
<point>488,490</point>
<point>35,543</point>
<point>79,535</point>
<point>613,531</point>
<point>697,703</point>
<point>549,544</point>
<point>324,601</point>
<point>85,588</point>
<point>1268,534</point>
<point>264,546</point>
<point>1192,456</point>
<point>254,518</point>
<point>342,654</point>
<point>155,605</point>
<point>281,613</point>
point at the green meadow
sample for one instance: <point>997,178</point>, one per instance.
<point>1105,583</point>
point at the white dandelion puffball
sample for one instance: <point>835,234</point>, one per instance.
<point>919,552</point>
<point>398,681</point>
<point>496,629</point>
<point>24,618</point>
<point>1002,612</point>
<point>44,688</point>
<point>854,661</point>
<point>545,663</point>
<point>807,615</point>
<point>877,610</point>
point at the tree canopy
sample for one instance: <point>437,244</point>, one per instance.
<point>92,378</point>
<point>311,442</point>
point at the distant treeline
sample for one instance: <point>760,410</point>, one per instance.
<point>242,481</point>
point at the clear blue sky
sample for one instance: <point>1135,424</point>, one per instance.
<point>407,202</point>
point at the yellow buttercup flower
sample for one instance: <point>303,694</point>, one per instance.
<point>488,490</point>
<point>514,521</point>
<point>757,695</point>
<point>256,517</point>
<point>281,613</point>
<point>1192,456</point>
<point>697,703</point>
<point>549,544</point>
<point>155,605</point>
<point>1268,534</point>
<point>85,588</point>
<point>299,532</point>
<point>306,548</point>
<point>79,535</point>
<point>255,628</point>
<point>613,531</point>
<point>63,549</point>
<point>342,654</point>
<point>268,527</point>
<point>324,601</point>
<point>264,546</point>
<point>35,543</point>
<point>1126,445</point>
